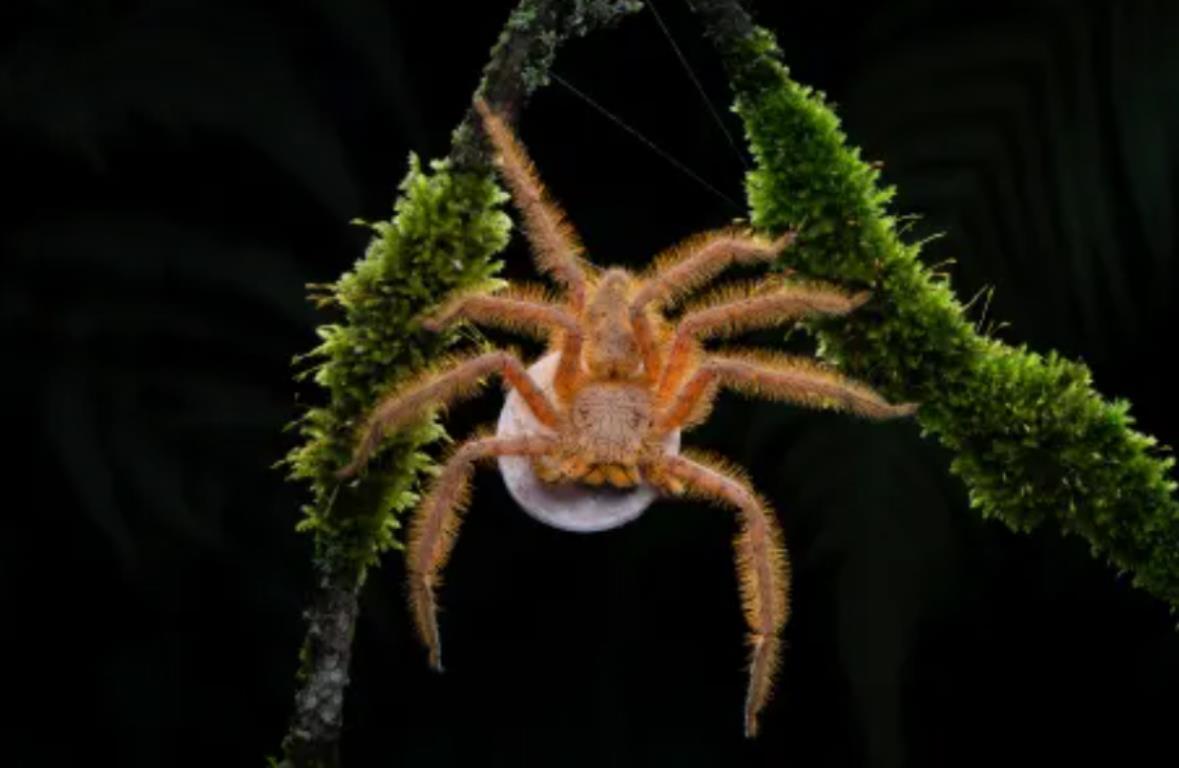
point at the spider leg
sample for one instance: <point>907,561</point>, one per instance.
<point>435,525</point>
<point>519,310</point>
<point>439,388</point>
<point>526,311</point>
<point>743,308</point>
<point>640,321</point>
<point>763,568</point>
<point>553,240</point>
<point>778,377</point>
<point>699,259</point>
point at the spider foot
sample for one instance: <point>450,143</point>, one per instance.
<point>425,614</point>
<point>763,660</point>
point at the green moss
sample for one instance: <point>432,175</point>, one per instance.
<point>1032,439</point>
<point>444,235</point>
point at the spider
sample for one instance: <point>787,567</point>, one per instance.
<point>625,377</point>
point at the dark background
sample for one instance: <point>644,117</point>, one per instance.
<point>177,171</point>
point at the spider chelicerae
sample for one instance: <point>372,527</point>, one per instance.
<point>626,377</point>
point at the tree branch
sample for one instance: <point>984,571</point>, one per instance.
<point>1033,441</point>
<point>455,211</point>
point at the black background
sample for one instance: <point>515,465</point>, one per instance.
<point>177,171</point>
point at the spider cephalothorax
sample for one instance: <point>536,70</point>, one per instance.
<point>626,377</point>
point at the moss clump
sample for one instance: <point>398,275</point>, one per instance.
<point>1032,440</point>
<point>444,235</point>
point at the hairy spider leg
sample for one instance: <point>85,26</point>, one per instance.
<point>776,377</point>
<point>741,308</point>
<point>685,267</point>
<point>436,521</point>
<point>763,567</point>
<point>522,310</point>
<point>461,378</point>
<point>554,241</point>
<point>692,263</point>
<point>648,343</point>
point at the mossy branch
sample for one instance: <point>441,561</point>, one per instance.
<point>1031,438</point>
<point>447,228</point>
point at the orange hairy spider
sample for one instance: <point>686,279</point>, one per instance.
<point>625,378</point>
